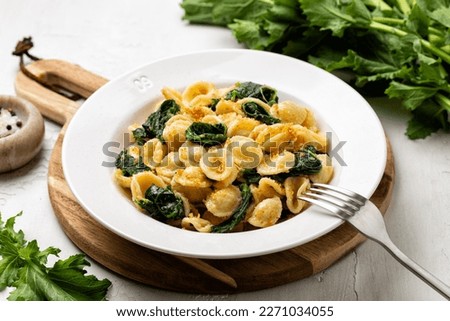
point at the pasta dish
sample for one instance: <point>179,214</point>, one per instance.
<point>223,160</point>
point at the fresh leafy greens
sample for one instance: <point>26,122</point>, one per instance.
<point>238,214</point>
<point>206,134</point>
<point>250,89</point>
<point>23,267</point>
<point>155,123</point>
<point>162,203</point>
<point>400,48</point>
<point>130,165</point>
<point>253,110</point>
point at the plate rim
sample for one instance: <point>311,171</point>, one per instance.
<point>224,254</point>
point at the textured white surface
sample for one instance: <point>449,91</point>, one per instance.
<point>112,37</point>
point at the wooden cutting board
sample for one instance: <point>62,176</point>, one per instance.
<point>159,269</point>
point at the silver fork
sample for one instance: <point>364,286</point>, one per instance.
<point>367,219</point>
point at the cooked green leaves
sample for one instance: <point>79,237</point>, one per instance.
<point>254,110</point>
<point>140,136</point>
<point>162,203</point>
<point>398,48</point>
<point>130,165</point>
<point>23,267</point>
<point>155,123</point>
<point>306,163</point>
<point>252,90</point>
<point>206,134</point>
<point>238,214</point>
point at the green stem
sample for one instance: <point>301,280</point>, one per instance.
<point>446,49</point>
<point>378,4</point>
<point>443,101</point>
<point>389,21</point>
<point>386,28</point>
<point>437,51</point>
<point>435,31</point>
<point>398,32</point>
<point>404,7</point>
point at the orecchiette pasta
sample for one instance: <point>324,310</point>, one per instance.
<point>295,186</point>
<point>290,112</point>
<point>191,176</point>
<point>175,133</point>
<point>223,202</point>
<point>142,181</point>
<point>324,176</point>
<point>196,222</point>
<point>217,164</point>
<point>154,152</point>
<point>273,164</point>
<point>266,213</point>
<point>201,88</point>
<point>220,160</point>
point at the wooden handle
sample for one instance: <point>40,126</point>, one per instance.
<point>57,73</point>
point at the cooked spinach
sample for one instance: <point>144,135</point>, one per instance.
<point>251,176</point>
<point>250,89</point>
<point>140,136</point>
<point>214,103</point>
<point>306,163</point>
<point>206,134</point>
<point>253,110</point>
<point>130,165</point>
<point>154,125</point>
<point>238,214</point>
<point>162,203</point>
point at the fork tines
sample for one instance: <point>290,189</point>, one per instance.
<point>337,200</point>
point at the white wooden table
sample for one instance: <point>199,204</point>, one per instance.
<point>112,37</point>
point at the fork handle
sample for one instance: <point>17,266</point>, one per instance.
<point>415,268</point>
<point>370,222</point>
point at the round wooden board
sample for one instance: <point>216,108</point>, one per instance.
<point>176,273</point>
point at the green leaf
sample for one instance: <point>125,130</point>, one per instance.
<point>250,89</point>
<point>10,243</point>
<point>70,275</point>
<point>206,134</point>
<point>199,11</point>
<point>255,111</point>
<point>22,266</point>
<point>441,15</point>
<point>250,33</point>
<point>299,45</point>
<point>156,122</point>
<point>34,284</point>
<point>432,5</point>
<point>412,96</point>
<point>238,214</point>
<point>223,12</point>
<point>425,121</point>
<point>130,165</point>
<point>286,11</point>
<point>417,21</point>
<point>431,72</point>
<point>336,15</point>
<point>140,136</point>
<point>162,203</point>
<point>327,15</point>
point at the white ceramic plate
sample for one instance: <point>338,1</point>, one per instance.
<point>92,139</point>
